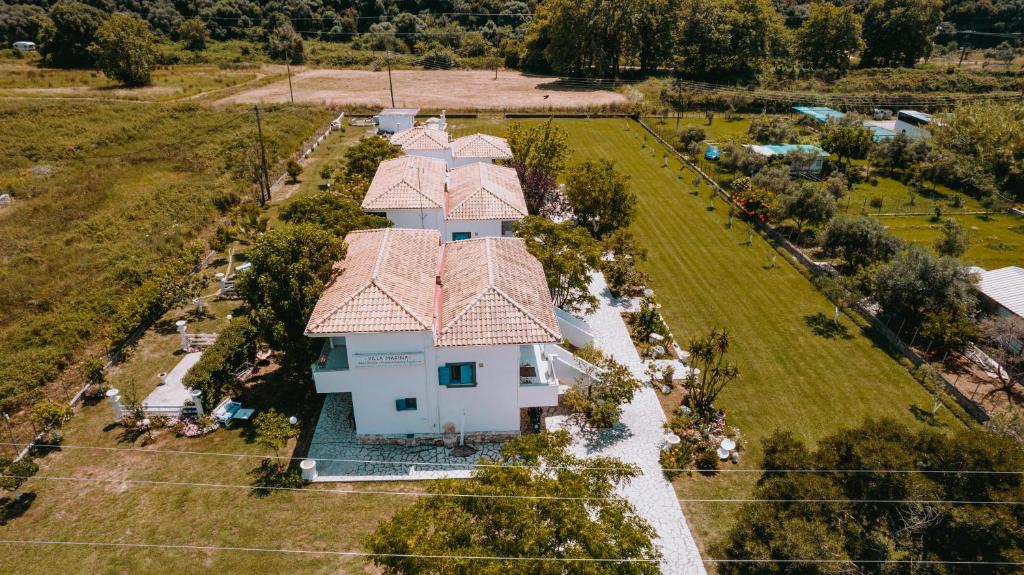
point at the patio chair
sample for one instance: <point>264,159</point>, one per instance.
<point>230,410</point>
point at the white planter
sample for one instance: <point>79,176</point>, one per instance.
<point>309,471</point>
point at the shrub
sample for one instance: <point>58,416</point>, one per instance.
<point>294,169</point>
<point>675,460</point>
<point>270,475</point>
<point>876,202</point>
<point>706,460</point>
<point>92,369</point>
<point>214,374</point>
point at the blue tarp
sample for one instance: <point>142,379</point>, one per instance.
<point>711,153</point>
<point>819,113</point>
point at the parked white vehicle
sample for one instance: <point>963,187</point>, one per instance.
<point>25,46</point>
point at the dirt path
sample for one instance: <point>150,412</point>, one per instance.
<point>451,90</point>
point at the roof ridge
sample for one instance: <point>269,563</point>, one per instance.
<point>522,309</point>
<point>380,254</point>
<point>399,303</point>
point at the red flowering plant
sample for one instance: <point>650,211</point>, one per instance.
<point>756,202</point>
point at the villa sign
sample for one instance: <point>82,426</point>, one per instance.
<point>388,359</point>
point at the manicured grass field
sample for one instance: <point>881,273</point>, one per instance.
<point>705,277</point>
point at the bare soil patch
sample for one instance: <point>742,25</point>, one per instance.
<point>436,89</point>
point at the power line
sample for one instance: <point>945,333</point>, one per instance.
<point>821,501</point>
<point>368,554</point>
<point>421,464</point>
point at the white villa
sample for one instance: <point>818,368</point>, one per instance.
<point>430,337</point>
<point>432,142</point>
<point>475,200</point>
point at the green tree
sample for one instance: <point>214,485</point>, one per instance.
<point>290,266</point>
<point>284,43</point>
<point>808,204</point>
<point>899,32</point>
<point>50,415</point>
<point>569,254</point>
<point>20,22</point>
<point>954,240</point>
<point>949,329</point>
<point>600,197</point>
<point>623,252</point>
<point>544,146</point>
<point>598,396</point>
<point>829,36</point>
<point>14,474</point>
<point>579,517</point>
<point>917,282</point>
<point>294,169</point>
<point>736,38</point>
<point>860,241</point>
<point>649,34</point>
<point>362,159</point>
<point>124,50</point>
<point>846,140</point>
<point>333,213</point>
<point>65,38</point>
<point>905,530</point>
<point>193,33</point>
<point>272,430</point>
<point>898,153</point>
<point>708,354</point>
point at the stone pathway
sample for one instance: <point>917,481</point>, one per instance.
<point>335,439</point>
<point>637,439</point>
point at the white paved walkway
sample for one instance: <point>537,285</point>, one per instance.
<point>637,440</point>
<point>172,393</point>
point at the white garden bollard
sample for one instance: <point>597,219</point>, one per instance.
<point>197,399</point>
<point>182,326</point>
<point>308,467</point>
<point>114,396</point>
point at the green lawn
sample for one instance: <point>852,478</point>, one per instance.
<point>705,277</point>
<point>996,241</point>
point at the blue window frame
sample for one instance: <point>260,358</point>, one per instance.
<point>406,404</point>
<point>456,236</point>
<point>457,374</point>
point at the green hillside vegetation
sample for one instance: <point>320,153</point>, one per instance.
<point>104,193</point>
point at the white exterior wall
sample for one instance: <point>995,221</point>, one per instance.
<point>479,228</point>
<point>375,389</point>
<point>432,219</point>
<point>911,130</point>
<point>454,162</point>
<point>392,123</point>
<point>437,154</point>
<point>492,405</point>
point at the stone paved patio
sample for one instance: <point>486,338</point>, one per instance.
<point>172,393</point>
<point>637,439</point>
<point>334,439</point>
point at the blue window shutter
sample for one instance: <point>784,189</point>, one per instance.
<point>467,373</point>
<point>400,404</point>
<point>444,375</point>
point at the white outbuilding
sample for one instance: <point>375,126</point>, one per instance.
<point>392,120</point>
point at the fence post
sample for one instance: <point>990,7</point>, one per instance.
<point>10,431</point>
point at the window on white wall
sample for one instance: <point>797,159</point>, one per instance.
<point>406,404</point>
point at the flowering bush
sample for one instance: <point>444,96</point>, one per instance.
<point>676,459</point>
<point>193,426</point>
<point>756,202</point>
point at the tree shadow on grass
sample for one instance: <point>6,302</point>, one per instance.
<point>270,476</point>
<point>11,508</point>
<point>823,326</point>
<point>925,416</point>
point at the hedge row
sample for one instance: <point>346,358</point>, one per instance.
<point>214,374</point>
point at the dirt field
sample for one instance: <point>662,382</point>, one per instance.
<point>451,90</point>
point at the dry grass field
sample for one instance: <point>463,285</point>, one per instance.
<point>436,89</point>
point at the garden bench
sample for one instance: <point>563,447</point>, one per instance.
<point>230,410</point>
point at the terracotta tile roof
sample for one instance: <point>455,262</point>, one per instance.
<point>494,293</point>
<point>421,138</point>
<point>481,146</point>
<point>409,182</point>
<point>483,191</point>
<point>385,283</point>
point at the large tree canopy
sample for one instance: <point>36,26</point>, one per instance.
<point>589,522</point>
<point>899,32</point>
<point>852,534</point>
<point>64,40</point>
<point>568,255</point>
<point>829,36</point>
<point>124,50</point>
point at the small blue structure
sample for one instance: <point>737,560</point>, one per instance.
<point>712,153</point>
<point>812,167</point>
<point>878,132</point>
<point>819,113</point>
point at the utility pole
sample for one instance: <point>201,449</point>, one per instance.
<point>264,179</point>
<point>391,87</point>
<point>963,52</point>
<point>288,66</point>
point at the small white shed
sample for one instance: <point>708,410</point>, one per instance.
<point>392,120</point>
